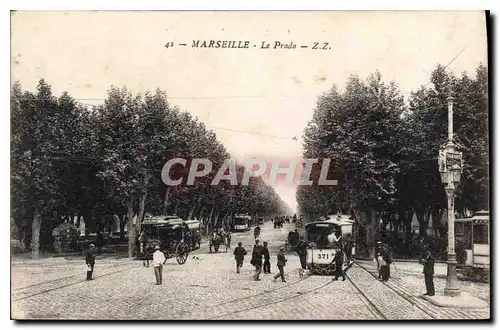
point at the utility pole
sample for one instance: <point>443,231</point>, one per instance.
<point>450,167</point>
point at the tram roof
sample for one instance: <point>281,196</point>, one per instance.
<point>323,222</point>
<point>192,224</point>
<point>164,221</point>
<point>330,221</point>
<point>243,216</point>
<point>479,217</point>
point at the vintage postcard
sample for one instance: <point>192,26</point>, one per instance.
<point>219,165</point>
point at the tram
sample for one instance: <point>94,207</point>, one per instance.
<point>473,235</point>
<point>241,222</point>
<point>324,240</point>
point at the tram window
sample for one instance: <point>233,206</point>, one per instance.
<point>480,233</point>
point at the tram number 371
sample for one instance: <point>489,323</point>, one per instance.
<point>323,256</point>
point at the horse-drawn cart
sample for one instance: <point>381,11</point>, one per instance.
<point>217,239</point>
<point>169,234</point>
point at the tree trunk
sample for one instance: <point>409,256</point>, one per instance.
<point>142,203</point>
<point>422,229</point>
<point>130,229</point>
<point>78,220</point>
<point>437,217</point>
<point>123,222</point>
<point>190,214</point>
<point>140,216</point>
<point>370,228</point>
<point>408,217</point>
<point>216,218</point>
<point>209,220</point>
<point>35,234</point>
<point>166,200</point>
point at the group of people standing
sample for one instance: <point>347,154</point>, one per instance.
<point>261,260</point>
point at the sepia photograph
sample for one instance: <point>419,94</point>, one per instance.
<point>250,165</point>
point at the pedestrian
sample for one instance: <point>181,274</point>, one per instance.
<point>239,256</point>
<point>339,263</point>
<point>228,239</point>
<point>348,252</point>
<point>158,262</point>
<point>281,265</point>
<point>256,232</point>
<point>90,261</point>
<point>378,248</point>
<point>428,263</point>
<point>257,259</point>
<point>295,239</point>
<point>302,253</point>
<point>383,272</point>
<point>267,263</point>
<point>145,259</point>
<point>386,254</point>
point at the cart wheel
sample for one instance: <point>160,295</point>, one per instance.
<point>181,253</point>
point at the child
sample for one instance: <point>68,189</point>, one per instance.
<point>239,255</point>
<point>281,265</point>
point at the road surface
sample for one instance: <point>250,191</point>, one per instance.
<point>208,287</point>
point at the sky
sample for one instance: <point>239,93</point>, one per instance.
<point>256,100</point>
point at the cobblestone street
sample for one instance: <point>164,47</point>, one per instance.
<point>208,287</point>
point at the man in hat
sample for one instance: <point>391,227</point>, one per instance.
<point>428,263</point>
<point>267,263</point>
<point>158,262</point>
<point>302,253</point>
<point>339,263</point>
<point>378,250</point>
<point>257,259</point>
<point>90,261</point>
<point>281,265</point>
<point>239,255</point>
<point>256,232</point>
<point>295,239</point>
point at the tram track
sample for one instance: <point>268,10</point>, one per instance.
<point>401,294</point>
<point>275,301</point>
<point>288,285</point>
<point>367,300</point>
<point>18,292</point>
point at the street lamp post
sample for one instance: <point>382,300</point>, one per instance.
<point>450,168</point>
